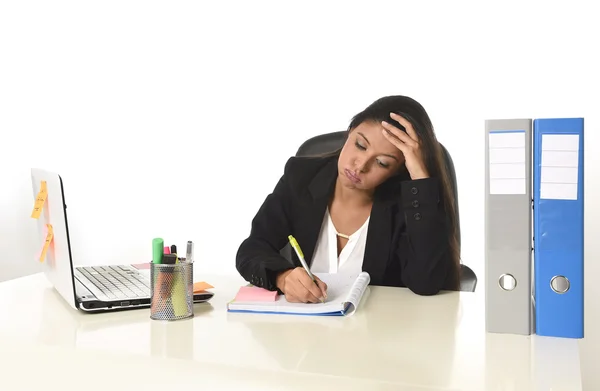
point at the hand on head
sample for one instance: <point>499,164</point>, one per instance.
<point>298,287</point>
<point>408,143</point>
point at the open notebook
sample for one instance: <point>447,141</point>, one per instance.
<point>344,293</point>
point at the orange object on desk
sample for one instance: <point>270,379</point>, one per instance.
<point>201,286</point>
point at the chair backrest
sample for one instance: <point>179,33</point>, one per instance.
<point>329,142</point>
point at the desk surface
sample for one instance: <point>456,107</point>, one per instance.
<point>395,341</point>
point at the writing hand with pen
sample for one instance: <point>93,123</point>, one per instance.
<point>299,285</point>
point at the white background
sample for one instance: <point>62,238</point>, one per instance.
<point>175,119</point>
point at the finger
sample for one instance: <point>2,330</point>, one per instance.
<point>402,136</point>
<point>298,289</point>
<point>292,298</point>
<point>314,291</point>
<point>407,125</point>
<point>401,145</point>
<point>308,282</point>
<point>298,294</point>
<point>322,286</point>
<point>309,297</point>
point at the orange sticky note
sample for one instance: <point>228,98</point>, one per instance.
<point>201,286</point>
<point>253,293</point>
<point>39,201</point>
<point>45,233</point>
<point>49,237</point>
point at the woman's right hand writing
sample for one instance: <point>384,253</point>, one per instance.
<point>298,287</point>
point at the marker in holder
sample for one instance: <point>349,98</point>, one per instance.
<point>172,289</point>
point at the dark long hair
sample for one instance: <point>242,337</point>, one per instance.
<point>432,153</point>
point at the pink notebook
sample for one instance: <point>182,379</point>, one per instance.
<point>252,293</point>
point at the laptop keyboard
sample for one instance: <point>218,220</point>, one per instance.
<point>116,282</point>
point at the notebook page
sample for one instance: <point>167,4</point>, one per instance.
<point>337,292</point>
<point>340,290</point>
<point>339,285</point>
<point>358,289</point>
<point>281,305</point>
<point>349,288</point>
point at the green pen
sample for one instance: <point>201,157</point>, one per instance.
<point>157,250</point>
<point>296,247</point>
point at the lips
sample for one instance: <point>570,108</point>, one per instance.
<point>351,176</point>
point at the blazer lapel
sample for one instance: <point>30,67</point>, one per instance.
<point>320,190</point>
<point>379,234</point>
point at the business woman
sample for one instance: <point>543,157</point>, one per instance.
<point>382,204</point>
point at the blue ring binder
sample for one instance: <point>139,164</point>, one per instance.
<point>559,226</point>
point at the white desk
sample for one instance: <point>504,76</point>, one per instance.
<point>395,341</point>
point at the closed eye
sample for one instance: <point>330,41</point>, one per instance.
<point>363,148</point>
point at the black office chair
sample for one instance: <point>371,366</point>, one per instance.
<point>330,142</point>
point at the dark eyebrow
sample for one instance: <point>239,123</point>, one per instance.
<point>367,140</point>
<point>363,136</point>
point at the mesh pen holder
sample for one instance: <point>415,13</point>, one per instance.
<point>172,291</point>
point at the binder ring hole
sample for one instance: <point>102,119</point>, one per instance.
<point>560,284</point>
<point>507,282</point>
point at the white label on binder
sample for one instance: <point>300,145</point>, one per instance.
<point>507,162</point>
<point>559,166</point>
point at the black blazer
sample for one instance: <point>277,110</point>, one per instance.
<point>407,240</point>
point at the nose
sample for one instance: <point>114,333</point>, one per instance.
<point>362,165</point>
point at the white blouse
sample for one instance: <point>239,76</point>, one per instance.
<point>350,260</point>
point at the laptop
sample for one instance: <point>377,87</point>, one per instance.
<point>87,288</point>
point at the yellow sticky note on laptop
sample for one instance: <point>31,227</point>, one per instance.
<point>49,237</point>
<point>39,201</point>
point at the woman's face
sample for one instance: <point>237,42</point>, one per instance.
<point>368,159</point>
